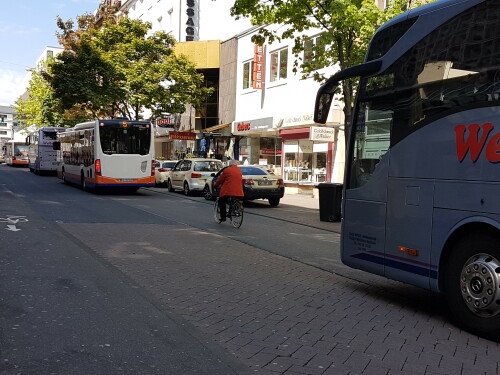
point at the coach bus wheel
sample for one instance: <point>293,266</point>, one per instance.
<point>472,285</point>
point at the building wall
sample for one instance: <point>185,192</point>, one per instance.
<point>228,79</point>
<point>7,125</point>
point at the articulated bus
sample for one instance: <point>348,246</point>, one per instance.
<point>16,154</point>
<point>422,183</point>
<point>114,153</point>
<point>42,157</point>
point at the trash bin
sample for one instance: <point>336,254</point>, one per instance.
<point>330,199</point>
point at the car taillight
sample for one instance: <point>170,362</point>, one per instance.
<point>280,182</point>
<point>162,170</point>
<point>248,181</point>
<point>98,167</point>
<point>13,158</point>
<point>195,175</point>
<point>153,167</point>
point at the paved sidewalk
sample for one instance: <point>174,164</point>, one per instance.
<point>295,208</point>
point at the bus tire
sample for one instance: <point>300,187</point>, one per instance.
<point>83,184</point>
<point>170,188</point>
<point>63,177</point>
<point>471,284</point>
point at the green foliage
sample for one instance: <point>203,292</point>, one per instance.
<point>121,68</point>
<point>345,26</point>
<point>41,108</point>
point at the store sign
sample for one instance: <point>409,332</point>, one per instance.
<point>165,122</point>
<point>262,124</point>
<point>258,67</point>
<point>192,23</point>
<point>186,136</point>
<point>322,134</point>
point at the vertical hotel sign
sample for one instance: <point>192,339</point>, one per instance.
<point>193,20</point>
<point>258,67</point>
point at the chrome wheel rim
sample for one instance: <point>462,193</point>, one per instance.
<point>480,285</point>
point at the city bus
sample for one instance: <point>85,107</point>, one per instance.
<point>16,154</point>
<point>41,156</point>
<point>421,188</point>
<point>103,154</point>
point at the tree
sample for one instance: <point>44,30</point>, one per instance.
<point>41,108</point>
<point>347,27</point>
<point>120,68</point>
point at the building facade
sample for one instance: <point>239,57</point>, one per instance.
<point>7,125</point>
<point>274,116</point>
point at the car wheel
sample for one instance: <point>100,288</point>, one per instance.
<point>169,186</point>
<point>471,284</point>
<point>273,202</point>
<point>187,191</point>
<point>207,194</point>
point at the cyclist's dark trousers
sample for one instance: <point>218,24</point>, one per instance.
<point>222,207</point>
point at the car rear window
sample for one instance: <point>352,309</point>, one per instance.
<point>253,171</point>
<point>169,165</point>
<point>207,166</point>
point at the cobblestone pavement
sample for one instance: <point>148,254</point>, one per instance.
<point>279,316</point>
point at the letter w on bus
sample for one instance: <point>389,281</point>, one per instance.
<point>475,142</point>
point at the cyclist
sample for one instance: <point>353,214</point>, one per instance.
<point>231,185</point>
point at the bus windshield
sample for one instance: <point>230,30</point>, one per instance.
<point>133,139</point>
<point>50,135</point>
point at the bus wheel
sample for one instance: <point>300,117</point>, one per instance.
<point>63,177</point>
<point>83,184</point>
<point>472,284</point>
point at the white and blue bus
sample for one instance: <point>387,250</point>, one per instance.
<point>422,184</point>
<point>41,155</point>
<point>100,154</point>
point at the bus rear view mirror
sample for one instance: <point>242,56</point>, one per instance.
<point>56,145</point>
<point>322,108</point>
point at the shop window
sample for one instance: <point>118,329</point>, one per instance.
<point>247,75</point>
<point>279,65</point>
<point>305,161</point>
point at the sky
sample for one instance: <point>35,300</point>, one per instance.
<point>27,27</point>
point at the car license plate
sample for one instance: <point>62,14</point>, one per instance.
<point>126,179</point>
<point>264,183</point>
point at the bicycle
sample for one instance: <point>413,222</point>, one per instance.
<point>234,211</point>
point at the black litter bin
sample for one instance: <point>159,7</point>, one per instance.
<point>330,199</point>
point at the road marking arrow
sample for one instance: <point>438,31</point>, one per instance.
<point>12,228</point>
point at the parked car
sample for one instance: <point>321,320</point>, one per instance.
<point>2,159</point>
<point>258,183</point>
<point>162,167</point>
<point>190,174</point>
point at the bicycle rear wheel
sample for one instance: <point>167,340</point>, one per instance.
<point>217,211</point>
<point>236,213</point>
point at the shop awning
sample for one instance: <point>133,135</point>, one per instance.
<point>214,128</point>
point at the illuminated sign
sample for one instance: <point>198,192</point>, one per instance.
<point>258,67</point>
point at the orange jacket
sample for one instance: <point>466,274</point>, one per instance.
<point>231,182</point>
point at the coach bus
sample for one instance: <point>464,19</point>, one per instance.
<point>421,190</point>
<point>42,157</point>
<point>16,154</point>
<point>100,154</point>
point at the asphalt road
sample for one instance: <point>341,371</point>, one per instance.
<point>148,283</point>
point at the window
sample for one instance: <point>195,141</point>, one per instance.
<point>454,68</point>
<point>311,62</point>
<point>279,65</point>
<point>247,74</point>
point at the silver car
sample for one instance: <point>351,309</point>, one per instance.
<point>191,174</point>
